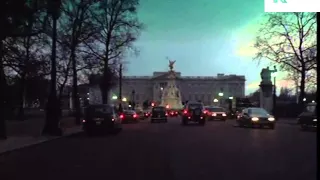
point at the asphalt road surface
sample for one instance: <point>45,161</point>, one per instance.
<point>169,151</point>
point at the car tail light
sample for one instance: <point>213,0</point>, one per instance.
<point>166,114</point>
<point>83,120</point>
<point>121,116</point>
<point>185,112</point>
<point>214,114</point>
<point>205,112</point>
<point>224,114</point>
<point>176,112</point>
<point>135,116</point>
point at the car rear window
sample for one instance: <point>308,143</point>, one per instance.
<point>103,109</point>
<point>195,106</point>
<point>216,109</point>
<point>129,112</point>
<point>158,109</point>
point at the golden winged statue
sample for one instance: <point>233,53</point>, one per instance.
<point>171,64</point>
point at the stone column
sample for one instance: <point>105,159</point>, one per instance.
<point>266,99</point>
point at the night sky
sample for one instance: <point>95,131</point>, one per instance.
<point>205,37</point>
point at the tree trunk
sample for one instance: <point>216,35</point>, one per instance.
<point>22,97</point>
<point>302,86</point>
<point>3,84</point>
<point>104,85</point>
<point>76,102</point>
<point>52,125</point>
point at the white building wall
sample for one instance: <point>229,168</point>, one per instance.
<point>193,88</point>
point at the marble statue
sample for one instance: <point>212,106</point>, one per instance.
<point>171,65</point>
<point>265,75</point>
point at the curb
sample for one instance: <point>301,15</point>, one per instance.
<point>32,144</point>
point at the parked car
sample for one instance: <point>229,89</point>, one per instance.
<point>101,118</point>
<point>256,117</point>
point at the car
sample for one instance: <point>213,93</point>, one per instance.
<point>173,113</point>
<point>309,117</point>
<point>255,117</point>
<point>129,116</point>
<point>216,113</point>
<point>193,112</point>
<point>146,114</point>
<point>159,113</point>
<point>101,118</point>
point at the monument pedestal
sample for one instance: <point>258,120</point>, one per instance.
<point>171,95</point>
<point>266,96</point>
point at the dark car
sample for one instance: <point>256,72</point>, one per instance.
<point>193,112</point>
<point>256,117</point>
<point>159,113</point>
<point>309,117</point>
<point>129,116</point>
<point>173,113</point>
<point>101,118</point>
<point>216,113</point>
<point>146,114</point>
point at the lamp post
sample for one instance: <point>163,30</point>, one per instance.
<point>220,97</point>
<point>120,88</point>
<point>274,73</point>
<point>133,92</point>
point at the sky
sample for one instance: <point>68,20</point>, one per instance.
<point>205,37</point>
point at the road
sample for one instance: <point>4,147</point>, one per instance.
<point>146,151</point>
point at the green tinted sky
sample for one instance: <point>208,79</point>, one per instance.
<point>205,37</point>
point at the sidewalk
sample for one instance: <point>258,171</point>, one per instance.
<point>28,133</point>
<point>19,142</point>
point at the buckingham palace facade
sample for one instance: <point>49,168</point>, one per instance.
<point>192,88</point>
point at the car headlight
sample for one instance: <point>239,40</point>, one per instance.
<point>271,119</point>
<point>315,120</point>
<point>214,114</point>
<point>224,114</point>
<point>255,119</point>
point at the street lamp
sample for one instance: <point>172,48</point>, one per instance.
<point>114,97</point>
<point>231,97</point>
<point>274,74</point>
<point>220,94</point>
<point>124,99</point>
<point>215,100</point>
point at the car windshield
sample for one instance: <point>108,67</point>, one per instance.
<point>216,109</point>
<point>195,106</point>
<point>258,112</point>
<point>158,109</point>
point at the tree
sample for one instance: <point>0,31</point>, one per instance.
<point>119,28</point>
<point>77,16</point>
<point>288,39</point>
<point>14,15</point>
<point>53,106</point>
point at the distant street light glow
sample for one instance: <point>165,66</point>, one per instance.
<point>124,99</point>
<point>114,97</point>
<point>215,100</point>
<point>230,97</point>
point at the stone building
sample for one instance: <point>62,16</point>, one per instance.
<point>192,88</point>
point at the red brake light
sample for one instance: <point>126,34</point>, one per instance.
<point>185,111</point>
<point>121,116</point>
<point>205,111</point>
<point>83,121</point>
<point>135,116</point>
<point>166,114</point>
